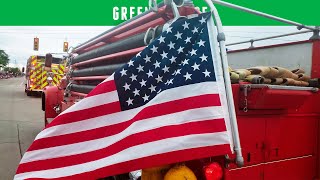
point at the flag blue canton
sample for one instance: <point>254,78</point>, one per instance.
<point>181,55</point>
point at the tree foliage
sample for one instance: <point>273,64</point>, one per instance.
<point>12,70</point>
<point>4,58</point>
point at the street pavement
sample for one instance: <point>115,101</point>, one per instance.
<point>21,119</point>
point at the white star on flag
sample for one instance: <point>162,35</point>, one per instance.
<point>123,72</point>
<point>140,68</point>
<point>185,62</point>
<point>171,45</point>
<point>180,50</point>
<point>165,69</point>
<point>201,43</point>
<point>195,66</point>
<point>206,73</point>
<point>173,59</point>
<point>164,55</point>
<point>154,49</point>
<point>202,20</point>
<point>147,59</point>
<point>203,58</point>
<point>130,63</point>
<point>136,92</point>
<point>156,64</point>
<point>126,87</point>
<point>188,40</point>
<point>152,88</point>
<point>159,79</point>
<point>133,77</point>
<point>185,25</point>
<point>130,101</point>
<point>169,29</point>
<point>161,39</point>
<point>145,97</point>
<point>150,73</point>
<point>195,30</point>
<point>178,35</point>
<point>193,52</point>
<point>143,83</point>
<point>187,76</point>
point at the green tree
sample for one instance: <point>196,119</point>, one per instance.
<point>14,70</point>
<point>4,58</point>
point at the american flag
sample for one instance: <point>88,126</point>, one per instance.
<point>166,105</point>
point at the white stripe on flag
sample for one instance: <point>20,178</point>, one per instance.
<point>93,101</point>
<point>193,115</point>
<point>110,78</point>
<point>115,118</point>
<point>135,152</point>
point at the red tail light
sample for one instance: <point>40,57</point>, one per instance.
<point>213,171</point>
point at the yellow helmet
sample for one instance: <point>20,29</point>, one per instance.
<point>180,172</point>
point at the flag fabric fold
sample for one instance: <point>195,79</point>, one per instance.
<point>166,105</point>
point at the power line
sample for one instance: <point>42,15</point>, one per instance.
<point>250,37</point>
<point>257,32</point>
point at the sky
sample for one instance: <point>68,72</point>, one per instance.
<point>17,41</point>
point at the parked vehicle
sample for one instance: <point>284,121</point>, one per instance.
<point>37,77</point>
<point>278,125</point>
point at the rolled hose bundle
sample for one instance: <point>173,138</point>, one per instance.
<point>234,77</point>
<point>265,71</point>
<point>243,73</point>
<point>96,71</point>
<point>303,77</point>
<point>255,79</point>
<point>276,81</point>
<point>285,73</point>
<point>271,75</point>
<point>118,46</point>
<point>298,71</point>
<point>81,88</point>
<point>303,83</point>
<point>289,81</point>
<point>267,81</point>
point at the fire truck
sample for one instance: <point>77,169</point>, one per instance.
<point>277,126</point>
<point>37,78</point>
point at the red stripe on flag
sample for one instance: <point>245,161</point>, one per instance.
<point>103,87</point>
<point>81,115</point>
<point>201,127</point>
<point>151,111</point>
<point>152,161</point>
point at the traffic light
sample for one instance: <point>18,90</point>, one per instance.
<point>65,47</point>
<point>36,44</point>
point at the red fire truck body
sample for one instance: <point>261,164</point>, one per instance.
<point>279,134</point>
<point>279,126</point>
<point>280,131</point>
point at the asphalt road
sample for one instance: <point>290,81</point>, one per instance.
<point>21,119</point>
